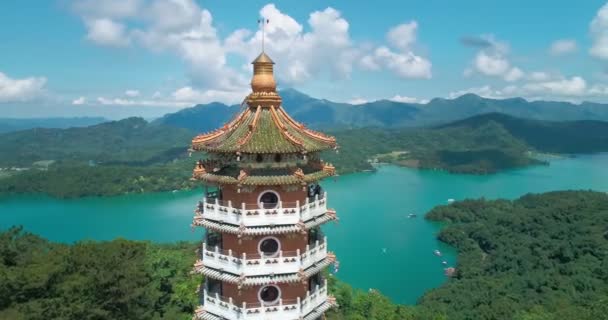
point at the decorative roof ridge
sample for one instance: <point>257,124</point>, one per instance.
<point>252,125</point>
<point>204,137</point>
<point>309,132</point>
<point>284,132</point>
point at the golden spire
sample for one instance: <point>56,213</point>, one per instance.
<point>263,75</point>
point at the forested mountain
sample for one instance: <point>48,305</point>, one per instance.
<point>320,113</point>
<point>133,155</point>
<point>131,140</point>
<point>547,136</point>
<point>537,257</point>
<point>200,118</point>
<point>10,124</point>
<point>480,144</point>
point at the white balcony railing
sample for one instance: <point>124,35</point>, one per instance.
<point>283,309</point>
<point>283,214</point>
<point>254,264</point>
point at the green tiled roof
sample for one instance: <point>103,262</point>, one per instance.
<point>263,180</point>
<point>265,134</point>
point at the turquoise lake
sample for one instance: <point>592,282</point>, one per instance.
<point>377,245</point>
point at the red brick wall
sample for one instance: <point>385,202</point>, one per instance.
<point>250,294</point>
<point>230,193</point>
<point>249,244</point>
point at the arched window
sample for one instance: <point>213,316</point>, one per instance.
<point>269,247</point>
<point>268,200</point>
<point>269,295</point>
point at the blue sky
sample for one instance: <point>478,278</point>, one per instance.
<point>118,58</point>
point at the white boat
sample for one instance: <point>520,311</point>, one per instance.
<point>451,200</point>
<point>437,253</point>
<point>411,215</point>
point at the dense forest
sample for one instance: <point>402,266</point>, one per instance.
<point>540,257</point>
<point>126,280</point>
<point>537,257</point>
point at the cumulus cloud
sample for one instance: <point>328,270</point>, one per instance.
<point>132,93</point>
<point>492,59</point>
<point>599,33</point>
<point>357,101</point>
<point>187,30</point>
<point>563,47</point>
<point>405,99</point>
<point>402,61</point>
<point>574,88</point>
<point>301,55</point>
<point>79,101</point>
<point>20,90</point>
<point>107,32</point>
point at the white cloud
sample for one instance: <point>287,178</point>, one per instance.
<point>79,101</point>
<point>20,90</point>
<point>107,32</point>
<point>132,93</point>
<point>483,91</point>
<point>357,101</point>
<point>405,65</point>
<point>563,47</point>
<point>193,96</point>
<point>405,99</point>
<point>491,64</point>
<point>403,35</point>
<point>185,29</point>
<point>575,86</point>
<point>492,60</point>
<point>599,33</point>
<point>403,62</point>
<point>538,76</point>
<point>514,74</point>
<point>300,55</point>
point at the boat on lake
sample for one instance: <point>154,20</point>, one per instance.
<point>437,253</point>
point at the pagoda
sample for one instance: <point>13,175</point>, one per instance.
<point>263,251</point>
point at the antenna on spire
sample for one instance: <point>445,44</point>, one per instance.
<point>263,22</point>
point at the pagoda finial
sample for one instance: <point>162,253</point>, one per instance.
<point>263,75</point>
<point>263,22</point>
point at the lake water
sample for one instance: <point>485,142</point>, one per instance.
<point>377,245</point>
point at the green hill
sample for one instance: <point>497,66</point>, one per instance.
<point>480,144</point>
<point>584,136</point>
<point>128,141</point>
<point>537,257</point>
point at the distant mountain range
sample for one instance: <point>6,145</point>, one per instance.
<point>10,124</point>
<point>320,113</point>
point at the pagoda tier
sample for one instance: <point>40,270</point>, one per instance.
<point>263,127</point>
<point>264,252</point>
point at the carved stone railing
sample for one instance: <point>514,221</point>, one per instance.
<point>283,309</point>
<point>250,216</point>
<point>254,264</point>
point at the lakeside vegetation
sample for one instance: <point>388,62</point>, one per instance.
<point>540,257</point>
<point>134,156</point>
